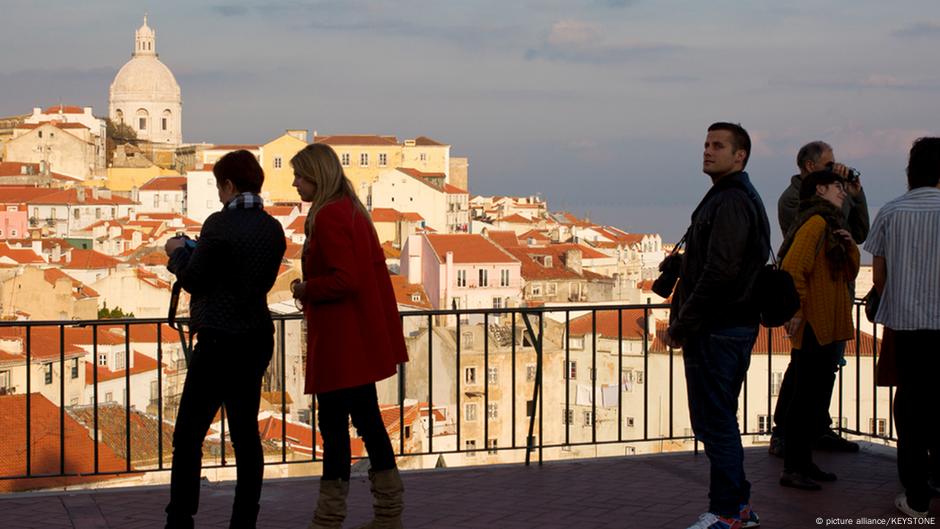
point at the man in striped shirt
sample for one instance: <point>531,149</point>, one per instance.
<point>905,243</point>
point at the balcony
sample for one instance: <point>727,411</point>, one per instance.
<point>555,468</point>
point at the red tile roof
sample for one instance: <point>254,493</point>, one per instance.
<point>80,290</point>
<point>142,333</point>
<point>504,238</point>
<point>294,251</point>
<point>230,147</point>
<point>533,257</point>
<point>468,248</point>
<point>70,196</point>
<point>356,139</point>
<point>297,225</point>
<point>537,235</point>
<point>89,260</point>
<point>516,218</point>
<point>65,109</point>
<point>404,292</point>
<point>23,194</point>
<point>454,190</point>
<point>45,446</point>
<point>152,279</point>
<point>419,174</point>
<point>390,251</point>
<point>632,322</point>
<point>142,364</point>
<point>424,141</point>
<point>411,216</point>
<point>385,215</point>
<point>280,211</point>
<point>20,255</point>
<point>165,183</point>
<point>12,169</point>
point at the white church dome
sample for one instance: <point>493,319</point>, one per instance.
<point>145,94</point>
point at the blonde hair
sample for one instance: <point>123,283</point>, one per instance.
<point>319,164</point>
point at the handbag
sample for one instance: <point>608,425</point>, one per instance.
<point>669,271</point>
<point>777,298</point>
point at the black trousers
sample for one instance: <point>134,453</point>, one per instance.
<point>224,369</point>
<point>361,403</point>
<point>812,368</point>
<point>915,410</point>
<point>786,395</point>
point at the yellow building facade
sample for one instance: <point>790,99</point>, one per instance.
<point>126,178</point>
<point>275,160</point>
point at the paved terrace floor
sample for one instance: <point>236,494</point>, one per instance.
<point>667,490</point>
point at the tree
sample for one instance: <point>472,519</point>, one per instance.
<point>104,313</point>
<point>118,134</point>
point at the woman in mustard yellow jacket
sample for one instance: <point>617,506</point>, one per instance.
<point>822,258</point>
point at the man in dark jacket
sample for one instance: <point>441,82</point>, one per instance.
<point>228,275</point>
<point>715,320</point>
<point>816,156</point>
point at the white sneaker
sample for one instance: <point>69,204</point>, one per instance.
<point>711,520</point>
<point>900,501</point>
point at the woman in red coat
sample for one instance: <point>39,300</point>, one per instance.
<point>354,335</point>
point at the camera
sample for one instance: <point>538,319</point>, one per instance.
<point>851,174</point>
<point>669,274</point>
<point>189,244</point>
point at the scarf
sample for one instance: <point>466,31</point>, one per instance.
<point>836,247</point>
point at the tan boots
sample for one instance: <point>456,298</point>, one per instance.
<point>387,490</point>
<point>331,505</point>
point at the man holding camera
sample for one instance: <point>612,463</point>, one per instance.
<point>816,156</point>
<point>714,317</point>
<point>228,273</point>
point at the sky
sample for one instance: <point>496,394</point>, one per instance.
<point>599,106</point>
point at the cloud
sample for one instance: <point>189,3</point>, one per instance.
<point>919,29</point>
<point>230,10</point>
<point>854,144</point>
<point>874,80</point>
<point>671,79</point>
<point>576,41</point>
<point>615,3</point>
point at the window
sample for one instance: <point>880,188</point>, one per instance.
<point>52,213</point>
<point>364,159</point>
<point>153,390</point>
<point>4,380</point>
<point>878,428</point>
<point>470,445</point>
<point>416,298</point>
<point>97,213</point>
<point>778,381</point>
<point>497,303</point>
<point>536,289</point>
<point>468,342</point>
<point>36,212</point>
<point>383,159</point>
<point>592,373</point>
<point>628,422</point>
<point>484,278</point>
<point>423,156</point>
<point>13,233</point>
<point>344,159</point>
<point>210,181</point>
<point>469,412</point>
<point>588,418</point>
<point>530,370</point>
<point>626,380</point>
<point>492,410</point>
<point>571,370</point>
<point>109,397</point>
<point>77,214</point>
<point>550,289</point>
<point>163,123</point>
<point>119,362</point>
<point>764,424</point>
<point>492,375</point>
<point>278,162</point>
<point>461,278</point>
<point>639,377</point>
<point>567,416</point>
<point>47,373</point>
<point>470,375</point>
<point>529,408</point>
<point>75,368</point>
<point>142,123</point>
<point>103,359</point>
<point>156,201</point>
<point>491,446</point>
<point>504,278</point>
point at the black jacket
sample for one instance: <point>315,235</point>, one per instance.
<point>855,209</point>
<point>727,244</point>
<point>231,270</point>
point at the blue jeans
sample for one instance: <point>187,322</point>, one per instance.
<point>715,366</point>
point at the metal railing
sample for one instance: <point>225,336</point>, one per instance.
<point>527,337</point>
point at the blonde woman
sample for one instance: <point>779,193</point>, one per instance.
<point>354,336</point>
